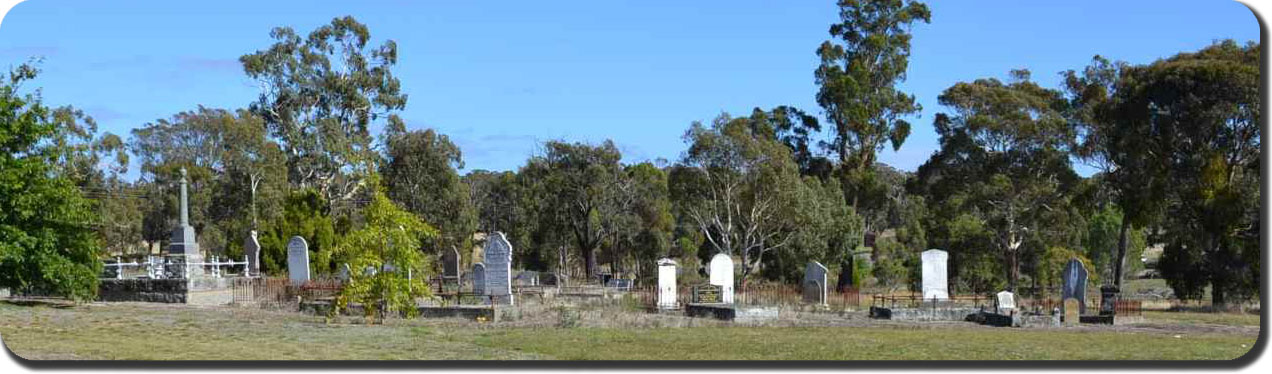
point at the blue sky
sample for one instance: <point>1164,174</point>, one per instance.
<point>499,77</point>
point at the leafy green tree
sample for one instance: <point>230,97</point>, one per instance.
<point>642,222</point>
<point>1111,139</point>
<point>1204,108</point>
<point>1103,233</point>
<point>1021,127</point>
<point>857,81</point>
<point>419,174</point>
<point>320,94</point>
<point>389,242</point>
<point>575,183</point>
<point>305,214</point>
<point>742,183</point>
<point>232,167</point>
<point>47,242</point>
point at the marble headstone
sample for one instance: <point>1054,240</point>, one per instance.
<point>721,272</point>
<point>815,283</point>
<point>479,279</point>
<point>1075,282</point>
<point>298,260</point>
<point>498,261</point>
<point>252,248</point>
<point>1006,302</point>
<point>666,284</point>
<point>935,284</point>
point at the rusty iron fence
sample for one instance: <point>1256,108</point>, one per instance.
<point>280,291</point>
<point>756,295</point>
<point>915,301</point>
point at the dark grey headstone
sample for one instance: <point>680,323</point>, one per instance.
<point>815,283</point>
<point>1075,282</point>
<point>450,263</point>
<point>479,279</point>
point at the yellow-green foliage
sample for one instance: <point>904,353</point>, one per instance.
<point>1053,262</point>
<point>391,236</point>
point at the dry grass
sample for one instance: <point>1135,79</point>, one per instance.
<point>601,331</point>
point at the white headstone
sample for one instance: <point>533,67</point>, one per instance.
<point>721,270</point>
<point>815,283</point>
<point>935,285</point>
<point>1006,302</point>
<point>252,248</point>
<point>298,260</point>
<point>498,261</point>
<point>666,284</point>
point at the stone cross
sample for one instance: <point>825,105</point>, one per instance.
<point>721,269</point>
<point>666,284</point>
<point>298,260</point>
<point>815,283</point>
<point>1075,280</point>
<point>935,284</point>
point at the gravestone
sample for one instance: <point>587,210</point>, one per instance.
<point>935,285</point>
<point>450,264</point>
<point>721,270</point>
<point>815,283</point>
<point>1108,299</point>
<point>345,271</point>
<point>298,260</point>
<point>252,248</point>
<point>479,279</point>
<point>1006,302</point>
<point>666,284</point>
<point>1071,315</point>
<point>497,257</point>
<point>1075,280</point>
<point>708,294</point>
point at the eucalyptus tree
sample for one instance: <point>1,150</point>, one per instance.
<point>1114,142</point>
<point>1018,170</point>
<point>575,184</point>
<point>420,174</point>
<point>857,78</point>
<point>319,95</point>
<point>1204,109</point>
<point>741,182</point>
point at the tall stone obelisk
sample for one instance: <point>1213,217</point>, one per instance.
<point>183,247</point>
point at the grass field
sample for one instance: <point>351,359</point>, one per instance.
<point>158,332</point>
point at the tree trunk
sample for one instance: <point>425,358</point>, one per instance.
<point>589,262</point>
<point>1013,269</point>
<point>1119,262</point>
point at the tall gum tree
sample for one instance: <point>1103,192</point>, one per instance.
<point>857,78</point>
<point>319,95</point>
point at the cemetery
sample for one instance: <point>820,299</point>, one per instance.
<point>600,204</point>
